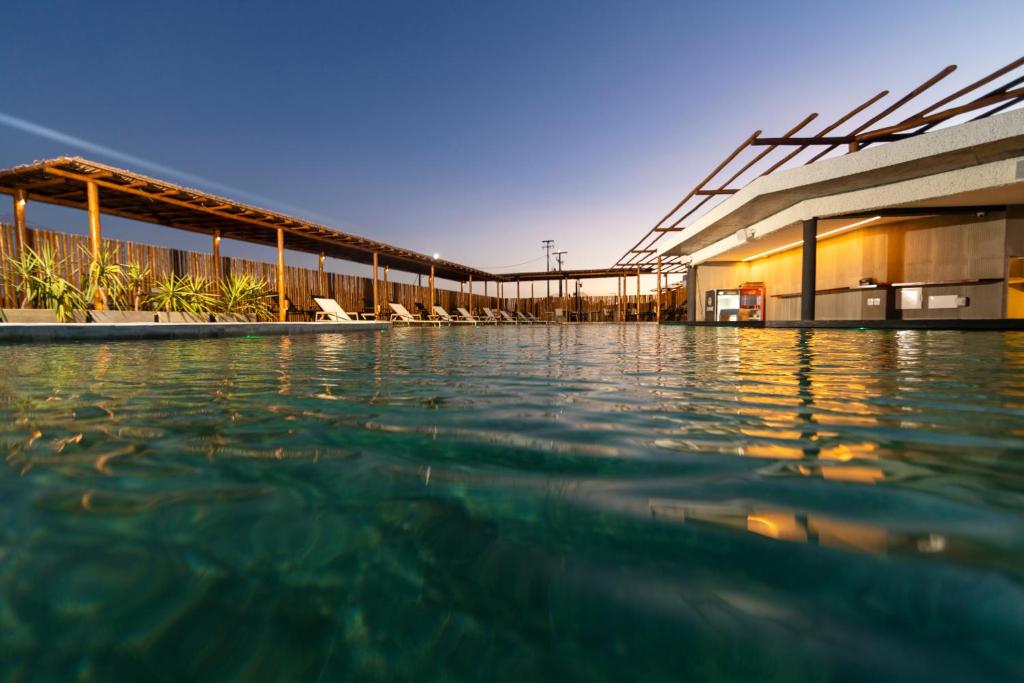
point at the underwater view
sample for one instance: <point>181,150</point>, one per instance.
<point>560,502</point>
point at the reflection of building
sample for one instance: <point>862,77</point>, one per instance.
<point>929,227</point>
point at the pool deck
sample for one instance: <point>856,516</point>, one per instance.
<point>62,332</point>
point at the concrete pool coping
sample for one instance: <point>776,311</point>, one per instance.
<point>986,324</point>
<point>48,332</point>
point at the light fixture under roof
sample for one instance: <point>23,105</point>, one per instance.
<point>823,235</point>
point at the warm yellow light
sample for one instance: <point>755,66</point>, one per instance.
<point>823,235</point>
<point>21,202</point>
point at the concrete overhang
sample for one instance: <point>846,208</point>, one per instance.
<point>999,183</point>
<point>889,165</point>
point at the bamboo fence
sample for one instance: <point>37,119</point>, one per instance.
<point>353,292</point>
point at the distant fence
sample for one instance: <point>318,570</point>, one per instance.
<point>353,292</point>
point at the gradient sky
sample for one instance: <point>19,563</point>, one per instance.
<point>473,129</point>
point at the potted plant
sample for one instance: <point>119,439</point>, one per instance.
<point>38,279</point>
<point>181,299</point>
<point>244,298</point>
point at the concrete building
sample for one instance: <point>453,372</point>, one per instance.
<point>930,227</point>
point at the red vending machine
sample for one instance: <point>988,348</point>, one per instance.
<point>752,301</point>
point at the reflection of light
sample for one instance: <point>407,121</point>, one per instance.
<point>823,235</point>
<point>860,475</point>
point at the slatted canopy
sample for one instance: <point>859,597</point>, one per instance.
<point>137,197</point>
<point>588,274</point>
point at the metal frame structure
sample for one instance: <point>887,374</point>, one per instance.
<point>643,254</point>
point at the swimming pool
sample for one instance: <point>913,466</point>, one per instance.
<point>600,502</point>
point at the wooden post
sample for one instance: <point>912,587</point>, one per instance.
<point>282,302</point>
<point>95,234</point>
<point>517,296</point>
<point>432,296</point>
<point>216,256</point>
<point>497,306</point>
<point>376,294</point>
<point>458,302</point>
<point>20,229</point>
<point>657,310</point>
<point>470,307</point>
<point>321,280</point>
<point>387,292</point>
<point>638,293</point>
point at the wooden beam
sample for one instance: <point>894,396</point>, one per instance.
<point>95,235</point>
<point>282,302</point>
<point>376,294</point>
<point>657,310</point>
<point>216,255</point>
<point>20,228</point>
<point>320,279</point>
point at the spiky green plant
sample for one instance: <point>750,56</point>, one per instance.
<point>133,284</point>
<point>186,294</point>
<point>245,295</point>
<point>38,278</point>
<point>103,276</point>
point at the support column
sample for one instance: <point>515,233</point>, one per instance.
<point>657,304</point>
<point>517,296</point>
<point>321,280</point>
<point>808,281</point>
<point>20,229</point>
<point>497,306</point>
<point>691,293</point>
<point>638,293</point>
<point>282,301</point>
<point>376,293</point>
<point>470,288</point>
<point>385,290</point>
<point>432,296</point>
<point>216,256</point>
<point>95,234</point>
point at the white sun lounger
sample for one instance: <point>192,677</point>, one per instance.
<point>522,318</point>
<point>506,318</point>
<point>399,314</point>
<point>442,315</point>
<point>490,317</point>
<point>535,319</point>
<point>331,310</point>
<point>469,317</point>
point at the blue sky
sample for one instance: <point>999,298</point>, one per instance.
<point>473,129</point>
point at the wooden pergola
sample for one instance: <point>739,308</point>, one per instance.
<point>98,188</point>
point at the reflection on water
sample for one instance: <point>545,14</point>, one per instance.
<point>591,502</point>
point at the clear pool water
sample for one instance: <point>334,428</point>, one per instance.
<point>562,503</point>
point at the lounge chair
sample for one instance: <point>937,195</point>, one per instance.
<point>535,319</point>
<point>469,317</point>
<point>490,317</point>
<point>399,314</point>
<point>332,311</point>
<point>442,315</point>
<point>506,318</point>
<point>522,318</point>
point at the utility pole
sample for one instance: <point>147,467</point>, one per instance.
<point>547,246</point>
<point>558,256</point>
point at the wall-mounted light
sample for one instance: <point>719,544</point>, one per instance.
<point>436,256</point>
<point>823,235</point>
